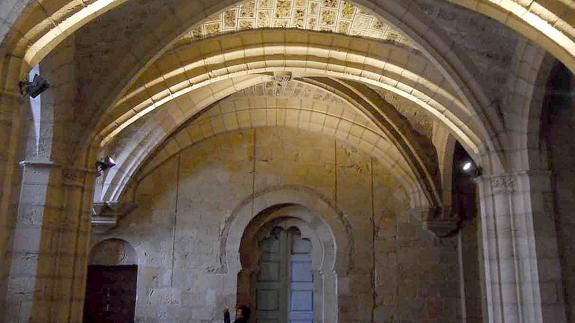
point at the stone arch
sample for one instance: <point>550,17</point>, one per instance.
<point>533,20</point>
<point>472,86</point>
<point>363,61</point>
<point>445,144</point>
<point>472,91</point>
<point>311,227</point>
<point>118,178</point>
<point>151,136</point>
<point>286,216</point>
<point>244,213</point>
<point>113,252</point>
<point>176,110</point>
<point>44,26</point>
<point>510,8</point>
<point>374,143</point>
<point>527,87</point>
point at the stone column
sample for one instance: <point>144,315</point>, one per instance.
<point>48,257</point>
<point>10,108</point>
<point>521,264</point>
<point>329,302</point>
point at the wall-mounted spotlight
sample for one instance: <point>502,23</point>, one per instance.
<point>34,88</point>
<point>104,164</point>
<point>470,169</point>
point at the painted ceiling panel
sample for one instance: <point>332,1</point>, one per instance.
<point>327,15</point>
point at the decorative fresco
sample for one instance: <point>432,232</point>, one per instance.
<point>325,15</point>
<point>290,89</point>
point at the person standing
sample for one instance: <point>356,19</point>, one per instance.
<point>242,314</point>
<point>227,316</point>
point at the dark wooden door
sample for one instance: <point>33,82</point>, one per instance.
<point>110,294</point>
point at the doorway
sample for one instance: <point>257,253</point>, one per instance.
<point>110,294</point>
<point>285,284</point>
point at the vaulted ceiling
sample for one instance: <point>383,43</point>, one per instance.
<point>329,16</point>
<point>381,75</point>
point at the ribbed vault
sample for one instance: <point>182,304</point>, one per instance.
<point>439,81</point>
<point>38,28</point>
<point>382,65</point>
<point>298,104</point>
<point>244,44</point>
<point>192,70</point>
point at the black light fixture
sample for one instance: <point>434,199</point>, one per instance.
<point>470,169</point>
<point>104,164</point>
<point>34,88</point>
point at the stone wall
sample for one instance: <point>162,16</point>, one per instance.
<point>183,204</point>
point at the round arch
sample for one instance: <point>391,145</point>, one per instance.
<point>250,207</point>
<point>381,65</point>
<point>310,227</point>
<point>531,70</point>
<point>43,27</point>
<point>409,20</point>
<point>113,252</point>
<point>357,135</point>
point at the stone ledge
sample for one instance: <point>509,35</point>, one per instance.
<point>106,215</point>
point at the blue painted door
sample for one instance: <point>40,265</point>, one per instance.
<point>284,288</point>
<point>301,281</point>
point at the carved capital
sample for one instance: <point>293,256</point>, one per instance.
<point>106,215</point>
<point>502,183</point>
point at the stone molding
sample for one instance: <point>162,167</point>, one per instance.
<point>442,221</point>
<point>53,164</point>
<point>508,182</point>
<point>503,183</point>
<point>113,252</point>
<point>272,196</point>
<point>106,215</point>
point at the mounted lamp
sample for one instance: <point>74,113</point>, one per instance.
<point>104,164</point>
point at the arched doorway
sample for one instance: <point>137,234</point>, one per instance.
<point>111,283</point>
<point>287,259</point>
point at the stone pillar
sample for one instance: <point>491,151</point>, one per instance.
<point>329,302</point>
<point>10,108</point>
<point>521,264</point>
<point>48,257</point>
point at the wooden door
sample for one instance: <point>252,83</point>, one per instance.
<point>284,287</point>
<point>110,294</point>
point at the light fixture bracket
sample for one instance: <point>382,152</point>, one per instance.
<point>35,87</point>
<point>104,164</point>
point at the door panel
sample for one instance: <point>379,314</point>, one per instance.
<point>110,294</point>
<point>284,288</point>
<point>301,281</point>
<point>300,271</point>
<point>269,288</point>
